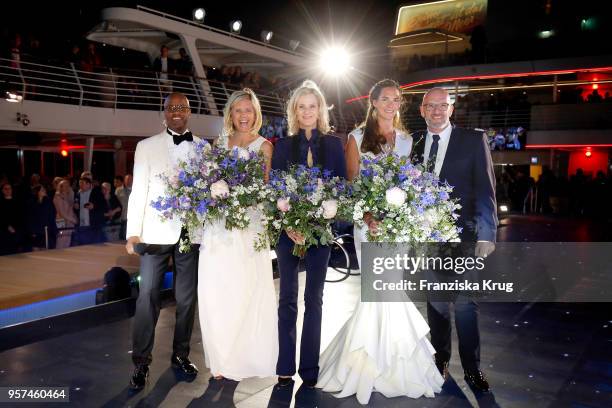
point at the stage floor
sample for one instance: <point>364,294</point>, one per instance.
<point>542,355</point>
<point>42,275</point>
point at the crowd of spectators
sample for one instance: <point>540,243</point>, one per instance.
<point>63,212</point>
<point>133,83</point>
<point>580,195</point>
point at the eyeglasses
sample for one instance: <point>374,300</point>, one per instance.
<point>178,108</point>
<point>430,107</point>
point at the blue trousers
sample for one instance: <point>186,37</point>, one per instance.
<point>317,259</point>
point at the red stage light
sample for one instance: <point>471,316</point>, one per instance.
<point>595,86</point>
<point>64,153</point>
<point>588,153</point>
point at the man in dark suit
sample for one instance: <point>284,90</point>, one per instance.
<point>89,209</point>
<point>164,65</point>
<point>462,158</point>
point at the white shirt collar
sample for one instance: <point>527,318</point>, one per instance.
<point>172,132</point>
<point>444,134</point>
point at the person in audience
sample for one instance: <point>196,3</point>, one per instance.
<point>112,212</point>
<point>230,75</point>
<point>54,186</point>
<point>122,191</point>
<point>112,206</point>
<point>90,60</point>
<point>34,180</point>
<point>65,219</point>
<point>94,182</point>
<point>34,51</point>
<point>256,81</point>
<point>247,80</point>
<point>41,226</point>
<point>12,222</point>
<point>224,74</point>
<point>15,51</point>
<point>75,55</point>
<point>237,77</point>
<point>164,65</point>
<point>89,206</point>
<point>184,65</point>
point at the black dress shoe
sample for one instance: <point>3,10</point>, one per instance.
<point>476,379</point>
<point>285,381</point>
<point>183,364</point>
<point>139,377</point>
<point>443,369</point>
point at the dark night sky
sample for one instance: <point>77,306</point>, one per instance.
<point>366,25</point>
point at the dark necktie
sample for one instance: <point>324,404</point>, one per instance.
<point>187,136</point>
<point>433,153</point>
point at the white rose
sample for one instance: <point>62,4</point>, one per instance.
<point>395,196</point>
<point>330,208</point>
<point>219,189</point>
<point>283,204</point>
<point>242,153</point>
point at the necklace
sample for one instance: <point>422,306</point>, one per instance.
<point>388,147</point>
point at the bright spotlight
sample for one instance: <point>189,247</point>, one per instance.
<point>266,36</point>
<point>13,97</point>
<point>199,14</point>
<point>503,208</point>
<point>236,26</point>
<point>546,33</point>
<point>293,44</point>
<point>334,61</point>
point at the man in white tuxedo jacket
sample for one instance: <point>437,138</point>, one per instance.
<point>156,240</point>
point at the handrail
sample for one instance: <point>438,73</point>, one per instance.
<point>215,30</point>
<point>114,89</point>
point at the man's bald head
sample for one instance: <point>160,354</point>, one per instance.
<point>437,93</point>
<point>177,112</point>
<point>436,109</point>
<point>176,98</point>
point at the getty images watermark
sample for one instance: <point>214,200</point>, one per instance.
<point>514,272</point>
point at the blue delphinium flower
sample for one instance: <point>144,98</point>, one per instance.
<point>427,199</point>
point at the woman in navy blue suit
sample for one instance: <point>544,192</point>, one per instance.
<point>310,144</point>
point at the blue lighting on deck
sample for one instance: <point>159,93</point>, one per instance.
<point>57,306</point>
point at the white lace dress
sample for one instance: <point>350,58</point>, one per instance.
<point>383,346</point>
<point>236,299</point>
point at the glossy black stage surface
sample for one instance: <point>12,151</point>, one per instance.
<point>535,355</point>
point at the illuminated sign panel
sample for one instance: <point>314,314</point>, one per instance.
<point>455,16</point>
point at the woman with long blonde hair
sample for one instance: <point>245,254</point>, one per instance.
<point>309,143</point>
<point>239,334</point>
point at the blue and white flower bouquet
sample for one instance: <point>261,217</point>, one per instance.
<point>307,201</point>
<point>411,205</point>
<point>211,185</point>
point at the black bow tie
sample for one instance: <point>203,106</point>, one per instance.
<point>187,136</point>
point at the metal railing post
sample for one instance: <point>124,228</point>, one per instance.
<point>197,92</point>
<point>23,82</point>
<point>161,94</point>
<point>114,87</point>
<point>78,81</point>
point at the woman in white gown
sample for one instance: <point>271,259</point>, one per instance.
<point>383,346</point>
<point>236,296</point>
